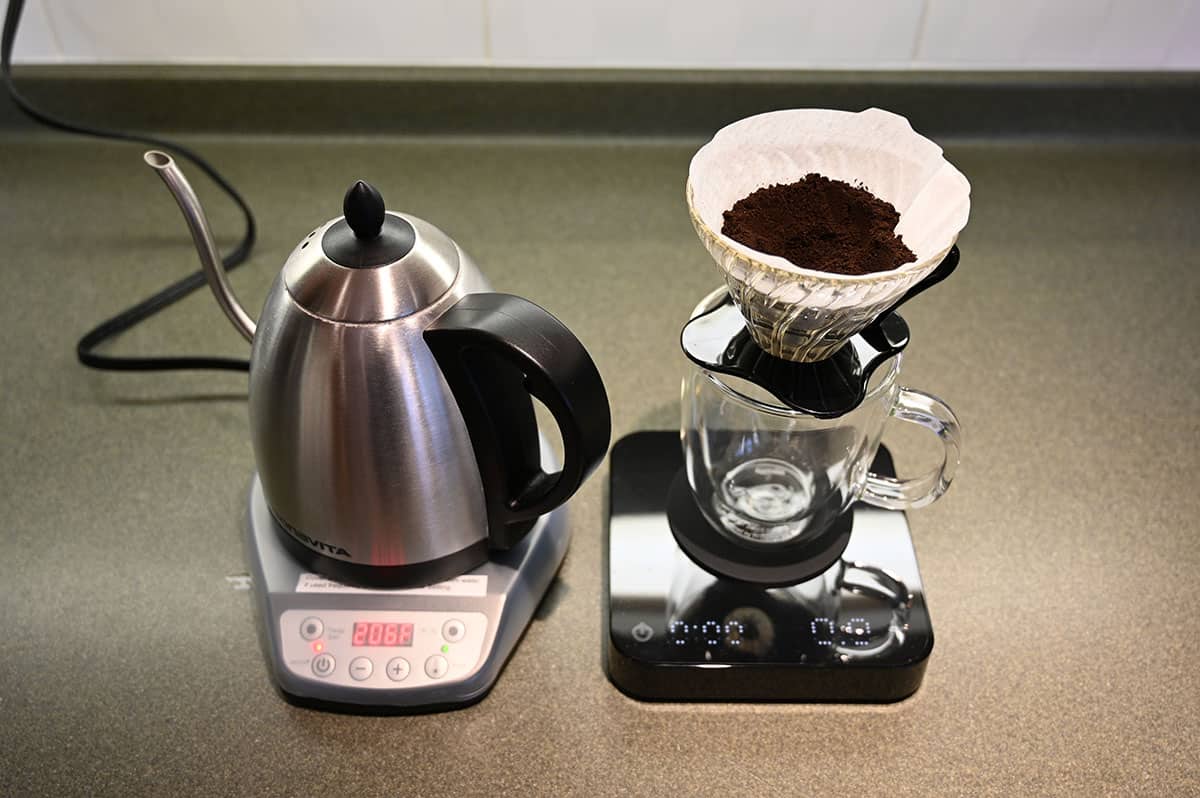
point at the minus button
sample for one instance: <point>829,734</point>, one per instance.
<point>361,669</point>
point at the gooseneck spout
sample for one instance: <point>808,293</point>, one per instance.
<point>210,259</point>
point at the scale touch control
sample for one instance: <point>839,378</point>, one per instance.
<point>454,630</point>
<point>397,669</point>
<point>323,665</point>
<point>436,666</point>
<point>311,628</point>
<point>361,669</point>
<point>642,632</point>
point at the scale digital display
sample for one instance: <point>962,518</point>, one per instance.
<point>375,633</point>
<point>853,632</point>
<point>708,633</point>
<point>758,634</point>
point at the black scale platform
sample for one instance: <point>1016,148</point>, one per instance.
<point>675,631</point>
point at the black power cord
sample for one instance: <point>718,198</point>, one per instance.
<point>143,310</point>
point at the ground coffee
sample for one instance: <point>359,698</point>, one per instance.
<point>820,224</point>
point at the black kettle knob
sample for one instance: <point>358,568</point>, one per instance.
<point>364,208</point>
<point>368,236</point>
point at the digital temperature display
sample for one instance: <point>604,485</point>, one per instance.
<point>373,633</point>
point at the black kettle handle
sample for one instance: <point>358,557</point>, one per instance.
<point>495,351</point>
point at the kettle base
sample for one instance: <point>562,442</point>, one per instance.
<point>417,574</point>
<point>345,648</point>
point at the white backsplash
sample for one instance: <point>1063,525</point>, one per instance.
<point>718,34</point>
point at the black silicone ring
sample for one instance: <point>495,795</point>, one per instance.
<point>767,566</point>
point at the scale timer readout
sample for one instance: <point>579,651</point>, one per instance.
<point>709,634</point>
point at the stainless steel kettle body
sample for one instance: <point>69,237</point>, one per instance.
<point>362,450</point>
<point>389,398</point>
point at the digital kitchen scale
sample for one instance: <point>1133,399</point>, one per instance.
<point>858,632</point>
<point>343,648</point>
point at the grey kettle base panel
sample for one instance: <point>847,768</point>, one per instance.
<point>344,648</point>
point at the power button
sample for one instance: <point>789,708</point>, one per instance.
<point>642,632</point>
<point>323,665</point>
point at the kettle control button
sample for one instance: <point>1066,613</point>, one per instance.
<point>436,666</point>
<point>397,669</point>
<point>454,630</point>
<point>361,669</point>
<point>323,665</point>
<point>311,628</point>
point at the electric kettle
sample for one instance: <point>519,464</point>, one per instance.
<point>389,396</point>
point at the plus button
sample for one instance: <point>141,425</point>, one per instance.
<point>397,669</point>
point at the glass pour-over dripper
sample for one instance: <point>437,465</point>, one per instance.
<point>801,314</point>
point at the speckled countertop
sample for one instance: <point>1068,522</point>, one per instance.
<point>1061,567</point>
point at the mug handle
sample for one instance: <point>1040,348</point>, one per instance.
<point>936,416</point>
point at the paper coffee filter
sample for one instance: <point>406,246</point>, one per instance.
<point>876,148</point>
<point>804,314</point>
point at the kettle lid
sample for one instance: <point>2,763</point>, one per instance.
<point>371,264</point>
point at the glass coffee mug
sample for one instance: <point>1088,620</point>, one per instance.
<point>765,474</point>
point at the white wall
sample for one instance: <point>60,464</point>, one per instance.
<point>836,34</point>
